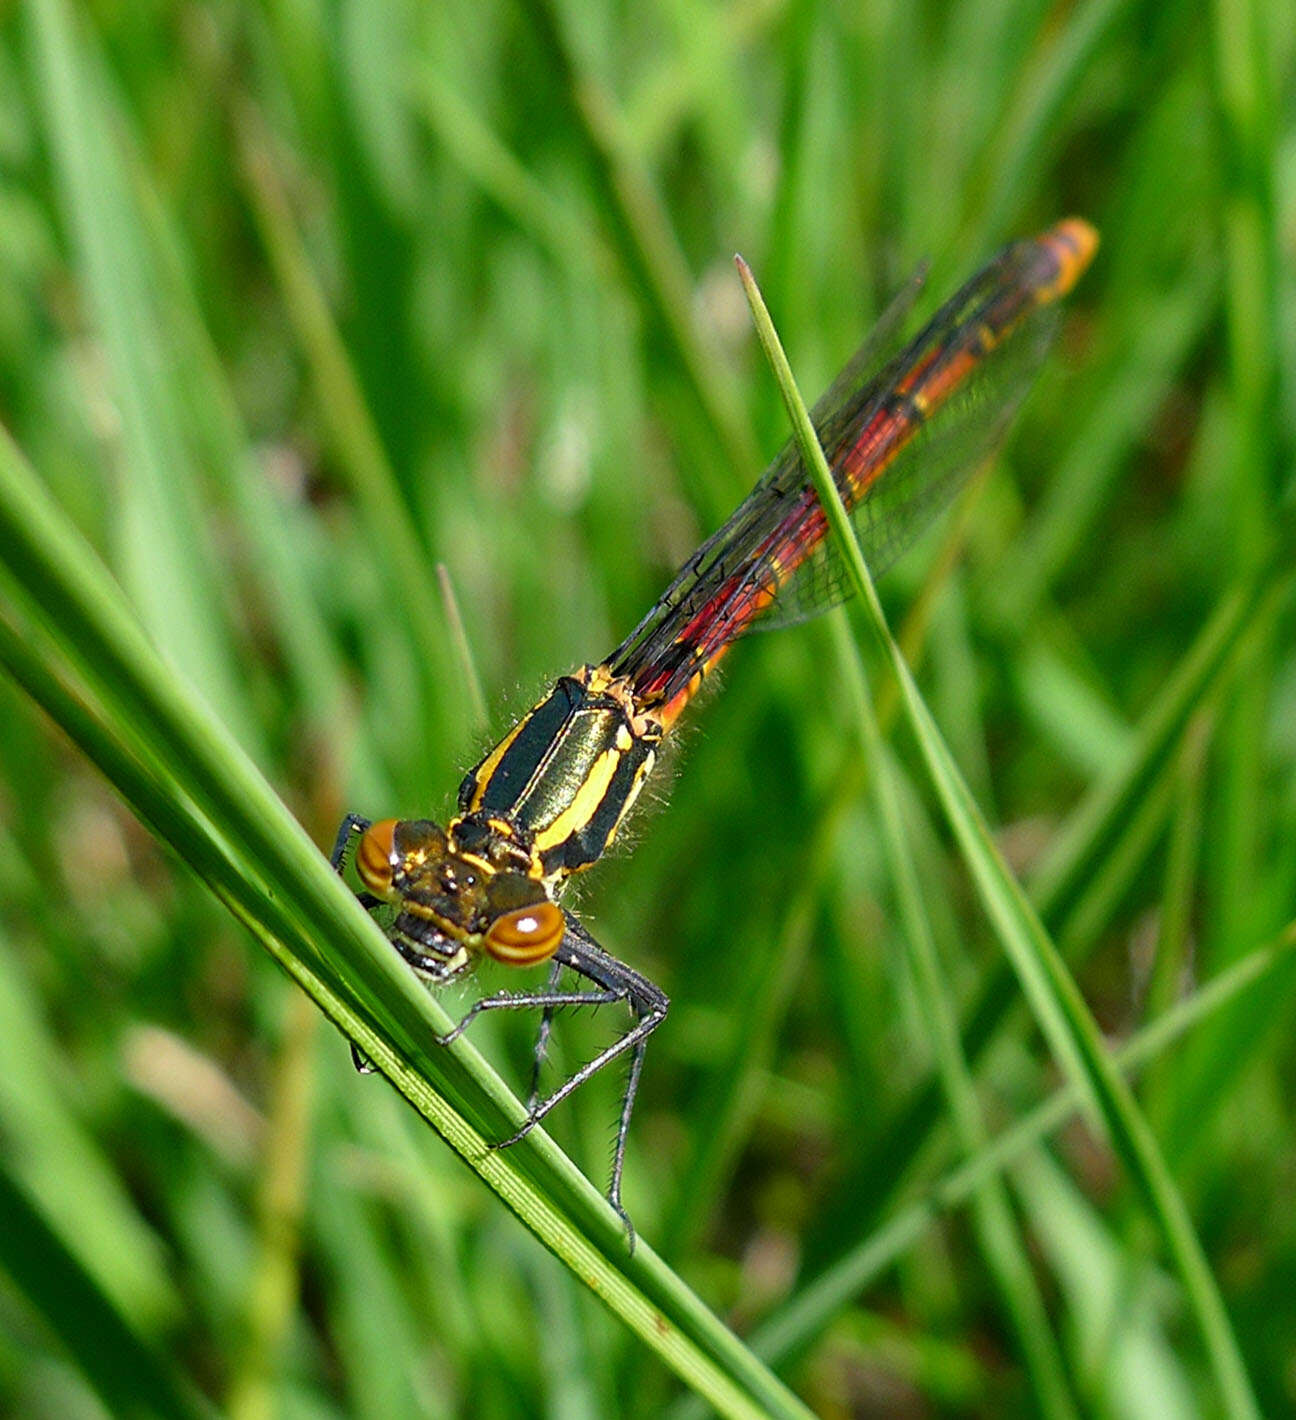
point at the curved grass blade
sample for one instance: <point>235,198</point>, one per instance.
<point>178,765</point>
<point>794,1326</point>
<point>1104,837</point>
<point>131,1377</point>
<point>1059,1008</point>
<point>860,1265</point>
<point>649,248</point>
<point>168,561</point>
<point>996,1227</point>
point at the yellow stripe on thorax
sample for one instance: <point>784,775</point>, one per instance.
<point>584,804</point>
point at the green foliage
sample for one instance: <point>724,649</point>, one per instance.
<point>301,302</point>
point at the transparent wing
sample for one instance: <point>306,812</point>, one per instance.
<point>899,438</point>
<point>924,476</point>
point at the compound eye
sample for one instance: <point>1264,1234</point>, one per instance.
<point>526,935</point>
<point>374,856</point>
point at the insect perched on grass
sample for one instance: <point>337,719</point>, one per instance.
<point>901,432</point>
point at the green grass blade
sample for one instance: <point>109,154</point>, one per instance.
<point>1001,1243</point>
<point>1055,999</point>
<point>168,564</point>
<point>1248,101</point>
<point>741,1076</point>
<point>1265,969</point>
<point>503,178</point>
<point>643,232</point>
<point>1153,352</point>
<point>131,1376</point>
<point>50,1153</point>
<point>1241,615</point>
<point>339,396</point>
<point>176,386</point>
<point>469,677</point>
<point>276,1278</point>
<point>179,766</point>
<point>1122,1323</point>
<point>1101,843</point>
<point>1056,76</point>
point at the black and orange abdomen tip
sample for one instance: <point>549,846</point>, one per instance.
<point>374,856</point>
<point>1072,242</point>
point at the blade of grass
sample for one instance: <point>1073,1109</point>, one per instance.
<point>499,174</point>
<point>1001,1243</point>
<point>1120,1317</point>
<point>368,1298</point>
<point>681,79</point>
<point>468,674</point>
<point>274,528</point>
<point>1241,615</point>
<point>1246,109</point>
<point>281,1199</point>
<point>740,1078</point>
<point>1057,73</point>
<point>1097,906</point>
<point>808,1313</point>
<point>570,1371</point>
<point>408,1166</point>
<point>734,1099</point>
<point>1174,925</point>
<point>166,751</point>
<point>130,1376</point>
<point>1097,846</point>
<point>194,418</point>
<point>1153,352</point>
<point>168,564</point>
<point>1264,970</point>
<point>1060,1010</point>
<point>341,402</point>
<point>50,1152</point>
<point>642,230</point>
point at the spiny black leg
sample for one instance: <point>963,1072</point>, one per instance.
<point>511,1000</point>
<point>648,1001</point>
<point>648,1021</point>
<point>352,825</point>
<point>622,1134</point>
<point>542,1038</point>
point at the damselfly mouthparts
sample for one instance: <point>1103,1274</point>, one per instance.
<point>901,431</point>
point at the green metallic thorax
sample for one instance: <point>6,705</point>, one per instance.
<point>567,774</point>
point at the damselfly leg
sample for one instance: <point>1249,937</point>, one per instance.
<point>611,980</point>
<point>352,827</point>
<point>614,982</point>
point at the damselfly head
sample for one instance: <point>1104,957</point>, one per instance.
<point>392,849</point>
<point>471,883</point>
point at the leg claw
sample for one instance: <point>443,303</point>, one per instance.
<point>526,1128</point>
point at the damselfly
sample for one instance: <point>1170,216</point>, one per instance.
<point>901,431</point>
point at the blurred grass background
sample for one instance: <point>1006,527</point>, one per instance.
<point>300,301</point>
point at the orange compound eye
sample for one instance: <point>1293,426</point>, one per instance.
<point>526,935</point>
<point>374,856</point>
